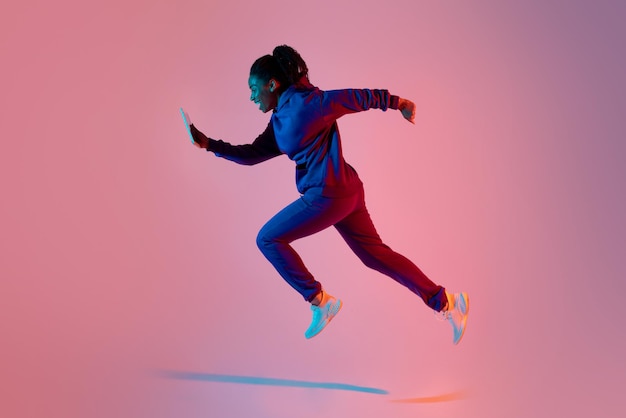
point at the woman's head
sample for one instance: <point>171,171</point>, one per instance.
<point>270,75</point>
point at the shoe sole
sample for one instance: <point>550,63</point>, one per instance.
<point>465,312</point>
<point>334,310</point>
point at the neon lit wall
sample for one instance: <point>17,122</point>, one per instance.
<point>130,282</point>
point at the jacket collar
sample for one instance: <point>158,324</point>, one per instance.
<point>302,85</point>
<point>284,97</point>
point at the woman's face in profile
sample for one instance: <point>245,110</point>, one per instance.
<point>263,94</point>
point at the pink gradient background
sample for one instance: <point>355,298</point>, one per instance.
<point>125,250</point>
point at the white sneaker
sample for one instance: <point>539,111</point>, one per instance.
<point>323,314</point>
<point>456,314</point>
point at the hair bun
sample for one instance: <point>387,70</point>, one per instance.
<point>281,50</point>
<point>290,62</point>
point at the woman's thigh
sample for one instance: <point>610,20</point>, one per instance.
<point>310,214</point>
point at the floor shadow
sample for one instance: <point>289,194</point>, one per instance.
<point>265,381</point>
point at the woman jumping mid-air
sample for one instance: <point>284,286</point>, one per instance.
<point>303,126</point>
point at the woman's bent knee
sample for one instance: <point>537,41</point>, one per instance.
<point>262,241</point>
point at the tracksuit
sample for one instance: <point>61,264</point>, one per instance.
<point>304,127</point>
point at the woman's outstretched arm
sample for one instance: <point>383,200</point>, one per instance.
<point>262,149</point>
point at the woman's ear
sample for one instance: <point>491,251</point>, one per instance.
<point>274,85</point>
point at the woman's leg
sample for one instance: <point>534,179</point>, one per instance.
<point>306,216</point>
<point>358,230</point>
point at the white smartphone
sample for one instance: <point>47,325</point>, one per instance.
<point>187,121</point>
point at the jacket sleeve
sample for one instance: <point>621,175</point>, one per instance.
<point>262,149</point>
<point>337,103</point>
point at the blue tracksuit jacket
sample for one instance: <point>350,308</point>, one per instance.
<point>304,127</point>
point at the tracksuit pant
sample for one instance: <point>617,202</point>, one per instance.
<point>312,213</point>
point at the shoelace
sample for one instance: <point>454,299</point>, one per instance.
<point>317,312</point>
<point>442,315</point>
